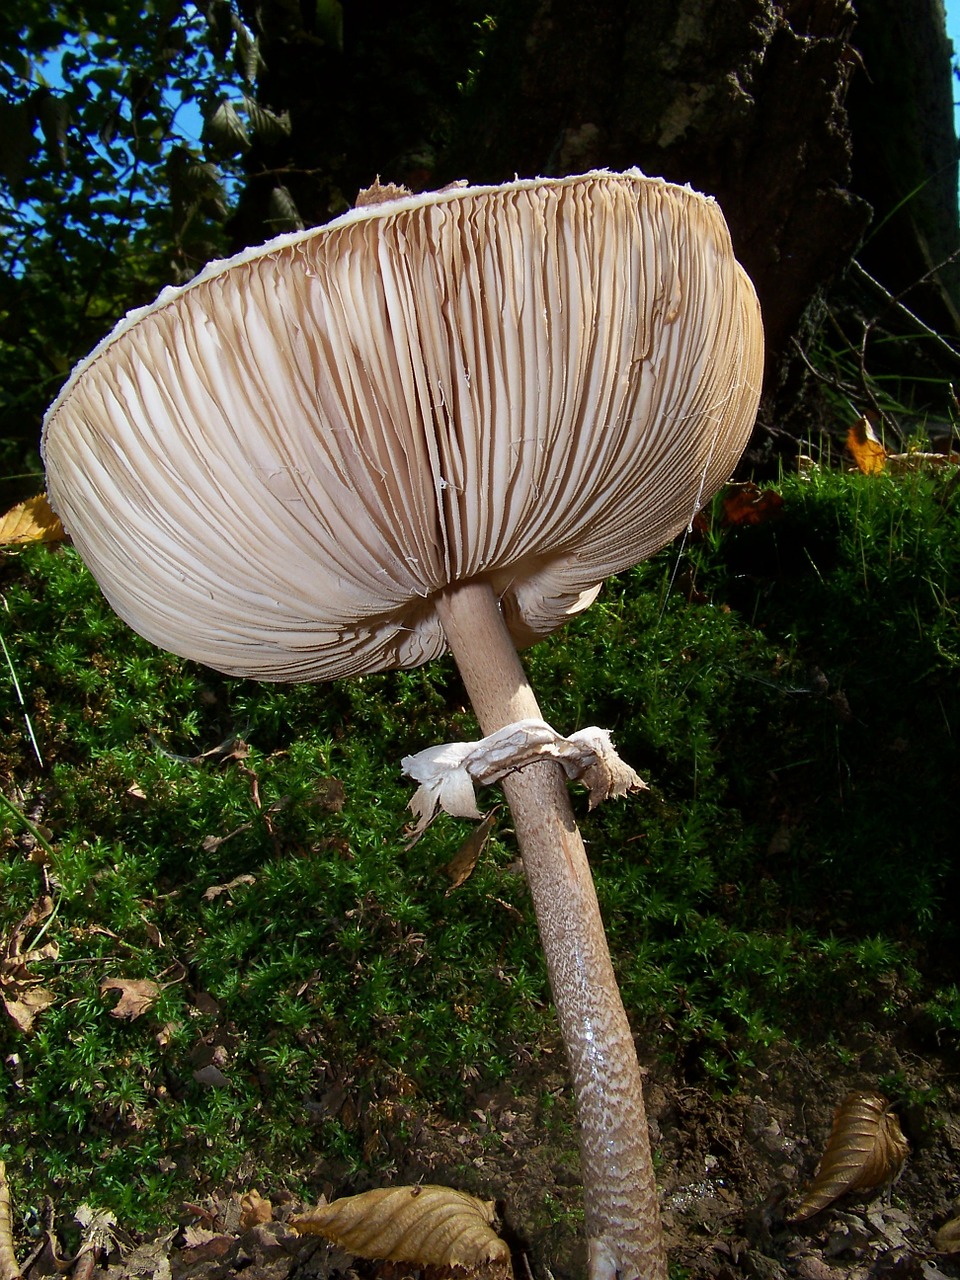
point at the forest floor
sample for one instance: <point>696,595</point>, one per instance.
<point>731,1170</point>
<point>324,1018</point>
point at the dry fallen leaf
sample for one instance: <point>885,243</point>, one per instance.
<point>97,1227</point>
<point>254,1209</point>
<point>30,521</point>
<point>203,1246</point>
<point>868,453</point>
<point>423,1225</point>
<point>152,1259</point>
<point>461,865</point>
<point>9,1267</point>
<point>22,996</point>
<point>215,890</point>
<point>747,504</point>
<point>137,996</point>
<point>23,1009</point>
<point>866,1148</point>
<point>947,1238</point>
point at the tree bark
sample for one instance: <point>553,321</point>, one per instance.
<point>743,99</point>
<point>905,154</point>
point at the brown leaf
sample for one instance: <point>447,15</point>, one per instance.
<point>37,913</point>
<point>26,1003</point>
<point>30,521</point>
<point>746,504</point>
<point>22,996</point>
<point>137,996</point>
<point>866,1148</point>
<point>461,865</point>
<point>329,794</point>
<point>152,1259</point>
<point>947,1238</point>
<point>254,1209</point>
<point>205,1246</point>
<point>868,453</point>
<point>424,1225</point>
<point>9,1267</point>
<point>152,932</point>
<point>215,890</point>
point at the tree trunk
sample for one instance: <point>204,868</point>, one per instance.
<point>905,154</point>
<point>743,99</point>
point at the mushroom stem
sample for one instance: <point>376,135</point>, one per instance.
<point>622,1214</point>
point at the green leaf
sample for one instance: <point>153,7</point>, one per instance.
<point>329,22</point>
<point>16,140</point>
<point>225,131</point>
<point>266,124</point>
<point>283,213</point>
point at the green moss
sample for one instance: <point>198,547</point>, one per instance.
<point>788,690</point>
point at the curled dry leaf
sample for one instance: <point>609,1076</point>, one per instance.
<point>9,1267</point>
<point>424,1225</point>
<point>947,1238</point>
<point>215,890</point>
<point>866,1148</point>
<point>24,1007</point>
<point>461,865</point>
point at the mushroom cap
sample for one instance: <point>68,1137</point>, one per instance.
<point>275,469</point>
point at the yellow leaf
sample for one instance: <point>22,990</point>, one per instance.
<point>423,1225</point>
<point>866,1148</point>
<point>868,453</point>
<point>30,521</point>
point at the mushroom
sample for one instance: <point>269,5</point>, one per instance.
<point>438,422</point>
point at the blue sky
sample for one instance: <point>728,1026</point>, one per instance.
<point>953,31</point>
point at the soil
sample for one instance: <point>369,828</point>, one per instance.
<point>731,1170</point>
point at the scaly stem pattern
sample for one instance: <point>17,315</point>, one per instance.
<point>620,1196</point>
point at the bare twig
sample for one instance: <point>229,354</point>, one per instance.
<point>896,303</point>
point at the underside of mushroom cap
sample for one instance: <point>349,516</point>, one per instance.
<point>275,469</point>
